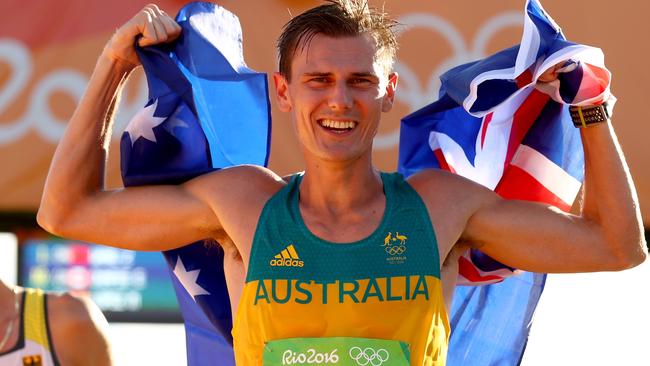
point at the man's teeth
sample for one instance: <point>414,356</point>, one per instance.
<point>339,125</point>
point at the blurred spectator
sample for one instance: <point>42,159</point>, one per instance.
<point>47,329</point>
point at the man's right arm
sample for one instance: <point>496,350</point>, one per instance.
<point>74,203</point>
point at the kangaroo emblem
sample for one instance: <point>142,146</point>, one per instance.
<point>387,239</point>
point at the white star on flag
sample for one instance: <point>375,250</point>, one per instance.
<point>143,123</point>
<point>188,279</point>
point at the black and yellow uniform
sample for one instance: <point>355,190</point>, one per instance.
<point>34,346</point>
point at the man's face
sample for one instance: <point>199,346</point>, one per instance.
<point>337,92</point>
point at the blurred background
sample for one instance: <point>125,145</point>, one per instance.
<point>48,50</point>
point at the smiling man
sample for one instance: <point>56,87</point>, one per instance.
<point>341,263</point>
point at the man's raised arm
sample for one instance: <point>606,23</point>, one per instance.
<point>74,203</point>
<point>608,235</point>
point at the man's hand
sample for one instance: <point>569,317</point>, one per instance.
<point>153,24</point>
<point>551,73</point>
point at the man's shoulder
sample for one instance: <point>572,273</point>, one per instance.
<point>439,187</point>
<point>244,179</point>
<point>433,179</point>
<point>451,200</point>
<point>245,172</point>
<point>237,194</point>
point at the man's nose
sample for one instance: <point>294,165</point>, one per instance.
<point>340,98</point>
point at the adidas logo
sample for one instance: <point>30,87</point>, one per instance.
<point>288,257</point>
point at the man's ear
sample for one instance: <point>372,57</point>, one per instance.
<point>389,97</point>
<point>282,92</point>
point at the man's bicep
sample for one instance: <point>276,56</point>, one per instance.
<point>138,218</point>
<point>537,237</point>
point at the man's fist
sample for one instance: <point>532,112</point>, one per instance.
<point>551,73</point>
<point>153,24</point>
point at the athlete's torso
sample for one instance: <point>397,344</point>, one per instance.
<point>386,286</point>
<point>34,346</point>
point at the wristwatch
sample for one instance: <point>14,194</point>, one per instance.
<point>587,116</point>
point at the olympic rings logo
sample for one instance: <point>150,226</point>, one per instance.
<point>369,356</point>
<point>396,250</point>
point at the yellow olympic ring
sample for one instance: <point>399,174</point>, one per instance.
<point>369,356</point>
<point>396,250</point>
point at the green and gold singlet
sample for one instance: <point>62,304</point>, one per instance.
<point>377,301</point>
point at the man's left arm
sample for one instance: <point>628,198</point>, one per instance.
<point>607,235</point>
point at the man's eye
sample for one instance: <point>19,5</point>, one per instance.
<point>319,80</point>
<point>360,81</point>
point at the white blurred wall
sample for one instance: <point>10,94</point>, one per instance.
<point>136,344</point>
<point>582,318</point>
<point>8,257</point>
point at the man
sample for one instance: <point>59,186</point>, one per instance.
<point>342,261</point>
<point>50,329</point>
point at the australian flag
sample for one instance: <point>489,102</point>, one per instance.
<point>206,111</point>
<point>497,125</point>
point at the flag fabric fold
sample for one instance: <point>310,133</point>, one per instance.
<point>207,110</point>
<point>497,124</point>
<point>483,85</point>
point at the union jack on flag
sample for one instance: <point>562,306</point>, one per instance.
<point>495,124</point>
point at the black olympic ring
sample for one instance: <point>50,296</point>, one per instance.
<point>369,356</point>
<point>396,250</point>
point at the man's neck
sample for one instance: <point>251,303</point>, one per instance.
<point>338,187</point>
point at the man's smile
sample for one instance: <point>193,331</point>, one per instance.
<point>337,126</point>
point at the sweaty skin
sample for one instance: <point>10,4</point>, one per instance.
<point>336,96</point>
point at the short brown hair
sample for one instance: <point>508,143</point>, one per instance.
<point>338,18</point>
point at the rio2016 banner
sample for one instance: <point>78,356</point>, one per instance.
<point>48,50</point>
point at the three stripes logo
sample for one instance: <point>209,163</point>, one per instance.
<point>288,257</point>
